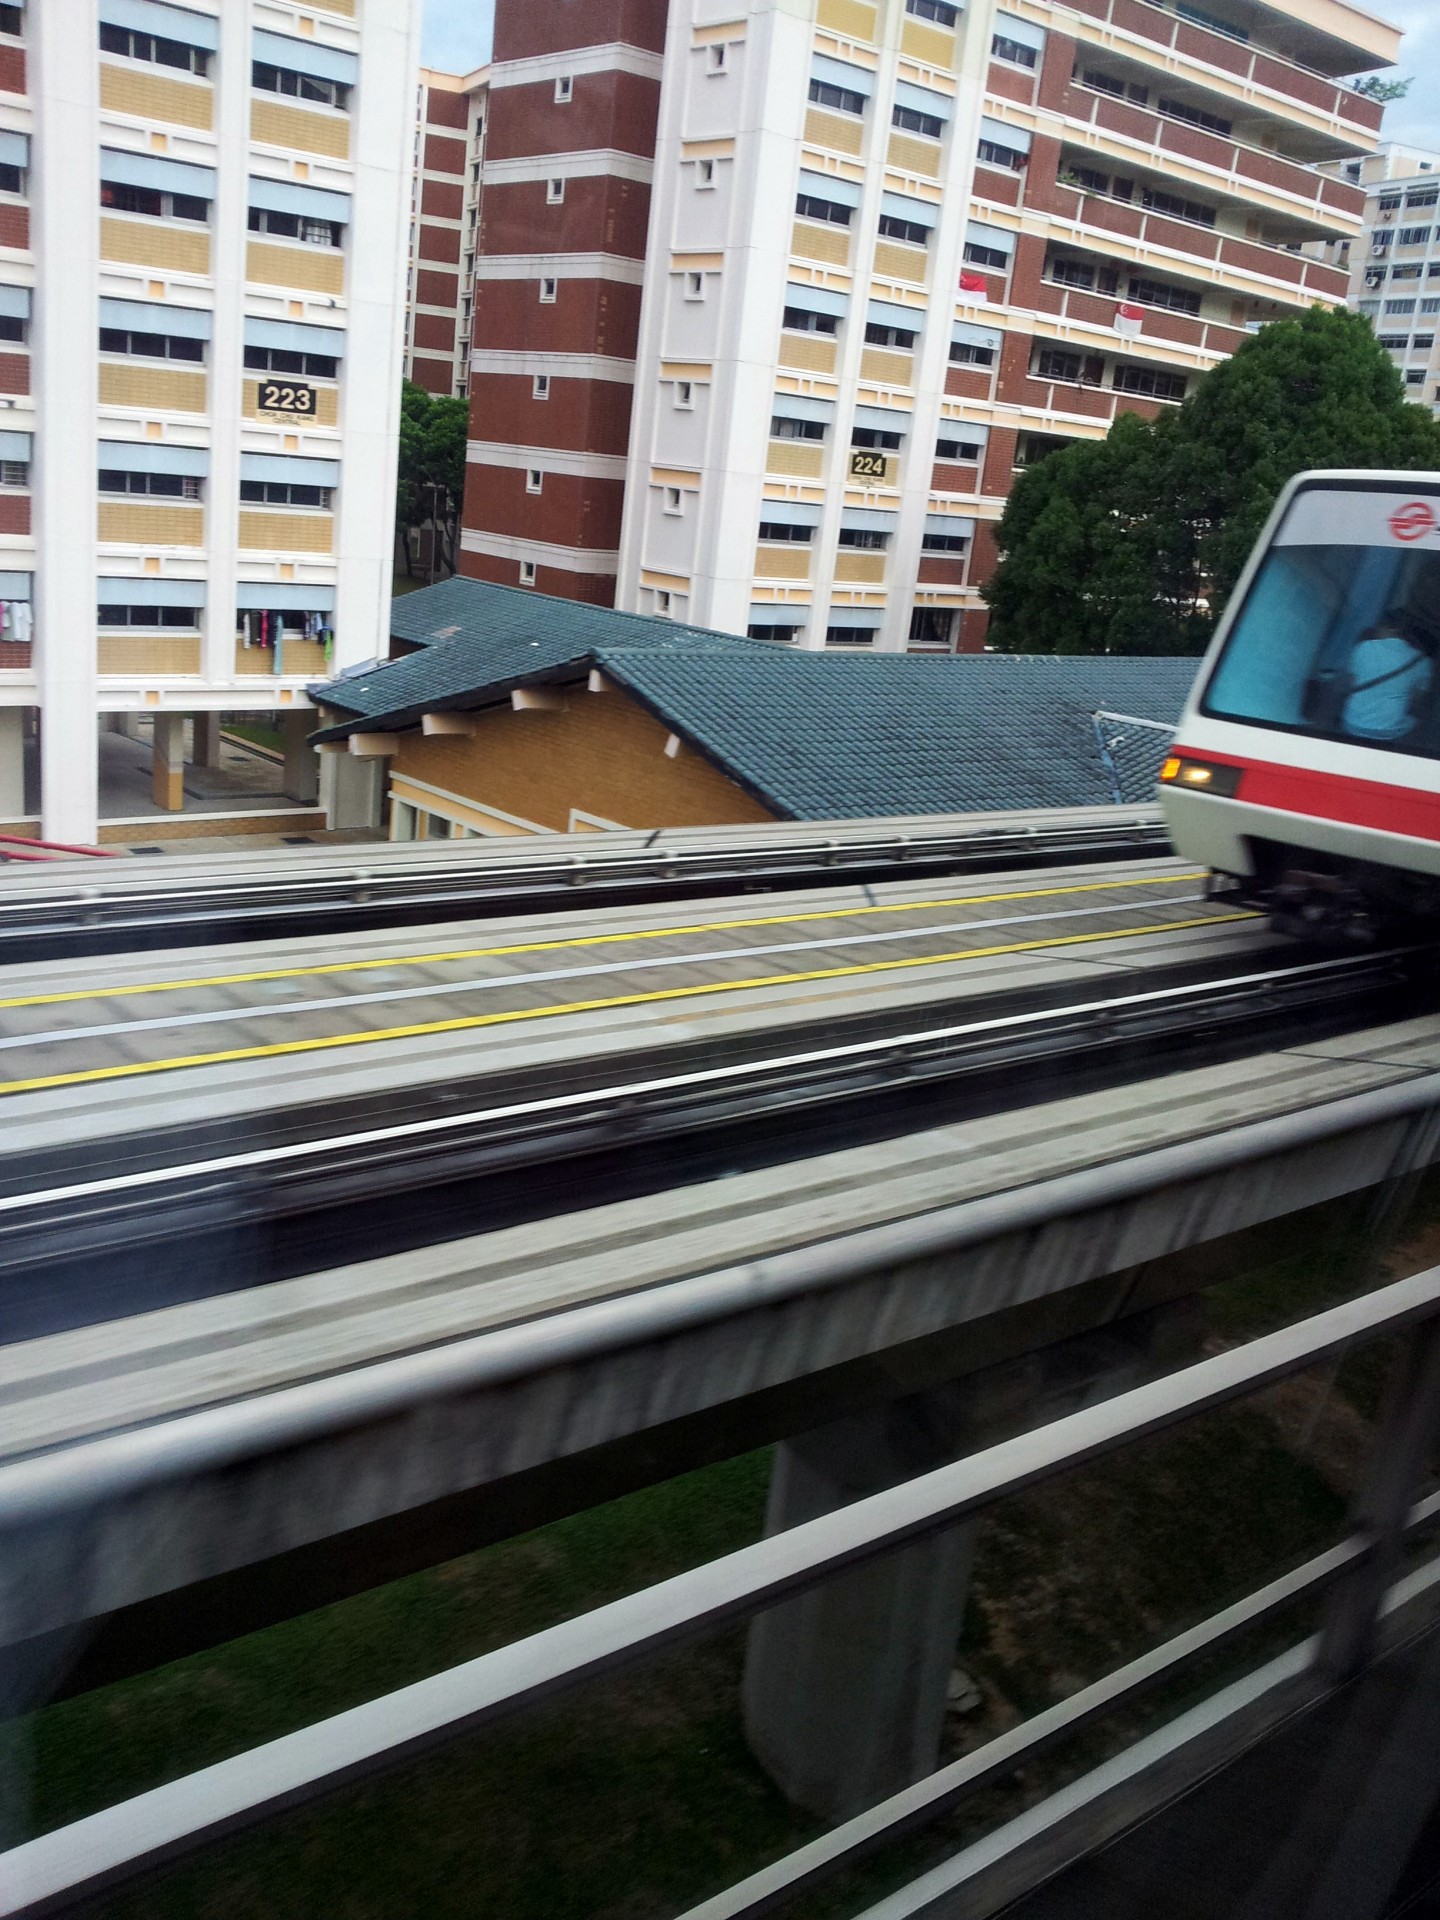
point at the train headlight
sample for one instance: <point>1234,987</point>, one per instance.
<point>1201,776</point>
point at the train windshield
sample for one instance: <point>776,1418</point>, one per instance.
<point>1341,639</point>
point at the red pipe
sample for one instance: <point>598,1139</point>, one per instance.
<point>51,846</point>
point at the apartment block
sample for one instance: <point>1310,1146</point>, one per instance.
<point>1394,263</point>
<point>202,234</point>
<point>896,251</point>
<point>444,224</point>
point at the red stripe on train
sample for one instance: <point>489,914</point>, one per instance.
<point>1331,796</point>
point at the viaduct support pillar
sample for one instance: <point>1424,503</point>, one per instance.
<point>167,783</point>
<point>302,762</point>
<point>845,1686</point>
<point>205,735</point>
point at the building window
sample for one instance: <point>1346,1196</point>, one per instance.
<point>284,493</point>
<point>1019,55</point>
<point>155,486</point>
<point>150,346</point>
<point>782,427</point>
<point>564,89</point>
<point>1073,369</point>
<point>296,226</point>
<point>694,286</point>
<point>118,198</point>
<point>911,120</point>
<point>1399,306</point>
<point>875,437</point>
<point>1405,273</point>
<point>940,11</point>
<point>1422,343</point>
<point>1188,11</point>
<point>977,255</point>
<point>910,231</point>
<point>684,394</point>
<point>879,335</point>
<point>1423,196</point>
<point>148,46</point>
<point>767,630</point>
<point>1158,382</point>
<point>1195,116</point>
<point>957,450</point>
<point>801,320</point>
<point>1412,236</point>
<point>527,573</point>
<point>944,543</point>
<point>1159,293</point>
<point>674,501</point>
<point>964,353</point>
<point>14,473</point>
<point>548,289</point>
<point>319,366</point>
<point>534,480</point>
<point>839,99</point>
<point>869,539</point>
<point>139,615</point>
<point>12,21</point>
<point>554,192</point>
<point>704,173</point>
<point>1415,377</point>
<point>715,59</point>
<point>540,387</point>
<point>1177,206</point>
<point>1084,275</point>
<point>662,602</point>
<point>299,86</point>
<point>810,207</point>
<point>1101,82</point>
<point>932,626</point>
<point>783,531</point>
<point>849,636</point>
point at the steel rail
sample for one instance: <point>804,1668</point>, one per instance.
<point>551,1124</point>
<point>60,1866</point>
<point>83,1474</point>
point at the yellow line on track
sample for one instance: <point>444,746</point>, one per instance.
<point>583,940</point>
<point>472,1021</point>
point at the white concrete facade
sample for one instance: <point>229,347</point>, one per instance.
<point>286,506</point>
<point>1394,265</point>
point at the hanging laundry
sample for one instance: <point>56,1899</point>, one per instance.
<point>20,619</point>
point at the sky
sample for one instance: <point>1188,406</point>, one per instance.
<point>457,38</point>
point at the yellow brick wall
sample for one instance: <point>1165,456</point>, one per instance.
<point>899,262</point>
<point>912,153</point>
<point>327,400</point>
<point>834,130</point>
<point>850,17</point>
<point>801,458</point>
<point>297,656</point>
<point>828,243</point>
<point>155,96</point>
<point>931,44</point>
<point>286,532</point>
<point>347,7</point>
<point>137,384</point>
<point>149,653</point>
<point>280,126</point>
<point>859,566</point>
<point>138,523</point>
<point>788,562</point>
<point>155,243</point>
<point>603,755</point>
<point>811,352</point>
<point>316,269</point>
<point>886,367</point>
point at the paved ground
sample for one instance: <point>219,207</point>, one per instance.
<point>246,781</point>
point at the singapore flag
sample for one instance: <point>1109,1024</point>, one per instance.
<point>1128,320</point>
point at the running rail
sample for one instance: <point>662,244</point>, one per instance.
<point>60,1867</point>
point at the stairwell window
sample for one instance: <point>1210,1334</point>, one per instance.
<point>715,59</point>
<point>694,286</point>
<point>534,480</point>
<point>527,573</point>
<point>564,89</point>
<point>554,192</point>
<point>704,173</point>
<point>549,288</point>
<point>674,501</point>
<point>540,387</point>
<point>684,395</point>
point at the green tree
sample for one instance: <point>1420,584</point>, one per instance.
<point>1133,544</point>
<point>1374,88</point>
<point>431,478</point>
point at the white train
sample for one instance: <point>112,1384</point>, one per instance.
<point>1306,768</point>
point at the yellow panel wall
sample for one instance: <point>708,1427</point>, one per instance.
<point>899,262</point>
<point>914,154</point>
<point>149,653</point>
<point>155,96</point>
<point>315,269</point>
<point>809,352</point>
<point>933,45</point>
<point>800,458</point>
<point>788,562</point>
<point>827,243</point>
<point>137,384</point>
<point>834,130</point>
<point>286,532</point>
<point>155,243</point>
<point>602,755</point>
<point>280,126</point>
<point>327,401</point>
<point>137,523</point>
<point>887,368</point>
<point>297,656</point>
<point>866,567</point>
<point>853,18</point>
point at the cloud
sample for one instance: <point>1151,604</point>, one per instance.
<point>456,34</point>
<point>1415,120</point>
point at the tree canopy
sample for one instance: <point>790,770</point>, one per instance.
<point>433,433</point>
<point>1134,543</point>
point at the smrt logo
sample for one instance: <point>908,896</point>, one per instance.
<point>1414,521</point>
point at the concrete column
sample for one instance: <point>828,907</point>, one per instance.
<point>12,763</point>
<point>352,790</point>
<point>302,762</point>
<point>844,1689</point>
<point>205,729</point>
<point>168,762</point>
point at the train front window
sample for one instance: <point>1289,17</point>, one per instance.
<point>1338,641</point>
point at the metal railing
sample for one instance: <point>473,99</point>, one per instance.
<point>60,1867</point>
